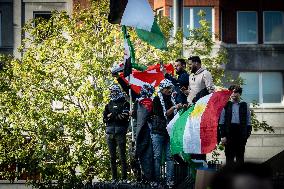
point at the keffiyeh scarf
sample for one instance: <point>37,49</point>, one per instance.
<point>115,93</point>
<point>164,84</point>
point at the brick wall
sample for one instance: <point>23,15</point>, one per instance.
<point>151,3</point>
<point>166,4</point>
<point>229,13</point>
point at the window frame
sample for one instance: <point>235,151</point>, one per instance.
<point>191,17</point>
<point>263,29</point>
<point>159,11</point>
<point>41,12</point>
<point>260,91</point>
<point>244,42</point>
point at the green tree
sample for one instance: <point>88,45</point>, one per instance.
<point>52,99</point>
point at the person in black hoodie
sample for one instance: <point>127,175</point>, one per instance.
<point>116,117</point>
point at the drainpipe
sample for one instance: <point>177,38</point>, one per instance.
<point>178,12</point>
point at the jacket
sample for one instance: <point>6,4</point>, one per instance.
<point>181,81</point>
<point>142,113</point>
<point>198,81</point>
<point>118,122</point>
<point>158,121</point>
<point>225,128</point>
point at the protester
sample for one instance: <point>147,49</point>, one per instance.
<point>143,109</point>
<point>181,82</point>
<point>164,109</point>
<point>116,117</point>
<point>200,81</point>
<point>235,126</point>
<point>200,85</point>
<point>125,87</point>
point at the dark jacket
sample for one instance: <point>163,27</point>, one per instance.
<point>118,122</point>
<point>144,149</point>
<point>158,120</point>
<point>143,138</point>
<point>226,128</point>
<point>181,81</point>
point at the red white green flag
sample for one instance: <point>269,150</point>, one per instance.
<point>153,75</point>
<point>195,131</point>
<point>138,14</point>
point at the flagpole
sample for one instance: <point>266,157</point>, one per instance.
<point>132,55</point>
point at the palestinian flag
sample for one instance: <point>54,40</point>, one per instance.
<point>138,14</point>
<point>153,75</point>
<point>195,130</point>
<point>129,55</point>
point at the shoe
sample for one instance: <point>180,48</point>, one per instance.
<point>154,184</point>
<point>113,181</point>
<point>124,181</point>
<point>170,184</point>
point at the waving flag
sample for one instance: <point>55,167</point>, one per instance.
<point>138,14</point>
<point>152,75</point>
<point>195,131</point>
<point>129,55</point>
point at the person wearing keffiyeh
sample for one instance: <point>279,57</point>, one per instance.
<point>164,109</point>
<point>116,117</point>
<point>143,109</point>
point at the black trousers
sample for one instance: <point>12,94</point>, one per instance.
<point>113,141</point>
<point>235,147</point>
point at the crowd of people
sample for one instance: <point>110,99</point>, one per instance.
<point>153,113</point>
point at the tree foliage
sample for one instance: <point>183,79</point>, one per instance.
<point>52,98</point>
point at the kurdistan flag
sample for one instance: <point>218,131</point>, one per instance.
<point>195,130</point>
<point>138,14</point>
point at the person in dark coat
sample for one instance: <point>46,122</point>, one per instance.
<point>235,126</point>
<point>143,109</point>
<point>116,117</point>
<point>181,82</point>
<point>164,109</point>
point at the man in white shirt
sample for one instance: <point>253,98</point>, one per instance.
<point>200,81</point>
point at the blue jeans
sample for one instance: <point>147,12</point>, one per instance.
<point>161,145</point>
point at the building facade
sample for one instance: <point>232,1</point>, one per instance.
<point>253,34</point>
<point>15,13</point>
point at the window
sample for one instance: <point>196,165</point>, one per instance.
<point>186,21</point>
<point>273,27</point>
<point>196,17</point>
<point>43,15</point>
<point>262,87</point>
<point>191,18</point>
<point>247,27</point>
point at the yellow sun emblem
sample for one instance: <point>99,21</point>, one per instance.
<point>198,110</point>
